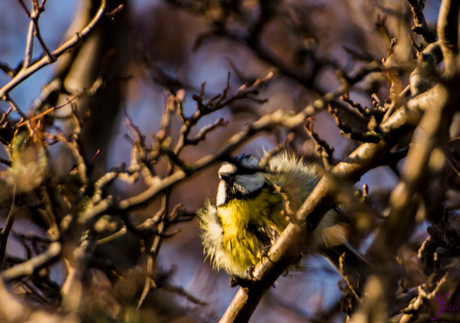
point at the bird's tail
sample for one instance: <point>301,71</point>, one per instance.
<point>354,262</point>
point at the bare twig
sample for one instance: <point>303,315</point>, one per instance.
<point>30,266</point>
<point>448,32</point>
<point>21,113</point>
<point>287,248</point>
<point>181,291</point>
<point>42,62</point>
<point>6,161</point>
<point>5,233</point>
<point>72,288</point>
<point>323,149</point>
<point>154,251</point>
<point>23,5</point>
<point>112,237</point>
<point>115,11</point>
<point>74,145</point>
<point>347,130</point>
<point>29,45</point>
<point>279,118</point>
<point>53,87</point>
<point>214,104</point>
<point>44,113</point>
<point>435,127</point>
<point>4,117</point>
<point>346,276</point>
<point>421,27</point>
<point>201,135</point>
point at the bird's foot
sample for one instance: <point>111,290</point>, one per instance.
<point>250,272</point>
<point>285,272</point>
<point>264,251</point>
<point>241,281</point>
<point>247,281</point>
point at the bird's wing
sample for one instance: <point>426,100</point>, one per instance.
<point>342,216</point>
<point>266,234</point>
<point>354,260</point>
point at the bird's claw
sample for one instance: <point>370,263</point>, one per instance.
<point>250,272</point>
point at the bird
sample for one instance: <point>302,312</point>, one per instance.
<point>247,216</point>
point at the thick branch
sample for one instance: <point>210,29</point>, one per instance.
<point>448,30</point>
<point>288,247</point>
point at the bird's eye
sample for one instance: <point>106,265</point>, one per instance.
<point>226,177</point>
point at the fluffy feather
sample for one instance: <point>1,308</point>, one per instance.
<point>244,221</point>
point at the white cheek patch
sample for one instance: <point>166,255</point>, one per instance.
<point>221,193</point>
<point>227,169</point>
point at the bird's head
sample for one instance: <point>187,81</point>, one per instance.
<point>238,182</point>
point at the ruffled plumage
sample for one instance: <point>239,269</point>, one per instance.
<point>234,234</point>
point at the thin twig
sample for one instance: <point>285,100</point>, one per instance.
<point>42,62</point>
<point>181,291</point>
<point>5,233</point>
<point>44,113</point>
<point>35,16</point>
<point>112,237</point>
<point>29,45</point>
<point>279,118</point>
<point>421,27</point>
<point>20,112</point>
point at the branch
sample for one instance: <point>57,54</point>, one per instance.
<point>448,31</point>
<point>201,136</point>
<point>265,55</point>
<point>44,113</point>
<point>181,291</point>
<point>5,233</point>
<point>29,45</point>
<point>72,289</point>
<point>421,27</point>
<point>71,43</point>
<point>12,310</point>
<point>216,103</point>
<point>30,266</point>
<point>322,148</point>
<point>432,131</point>
<point>287,248</point>
<point>347,130</point>
<point>279,118</point>
<point>18,110</point>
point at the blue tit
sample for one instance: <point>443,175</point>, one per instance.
<point>247,216</point>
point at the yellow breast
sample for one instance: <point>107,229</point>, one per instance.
<point>240,219</point>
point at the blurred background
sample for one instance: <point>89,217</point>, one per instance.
<point>153,45</point>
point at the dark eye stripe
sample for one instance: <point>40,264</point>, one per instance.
<point>237,195</point>
<point>246,170</point>
<point>239,171</point>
